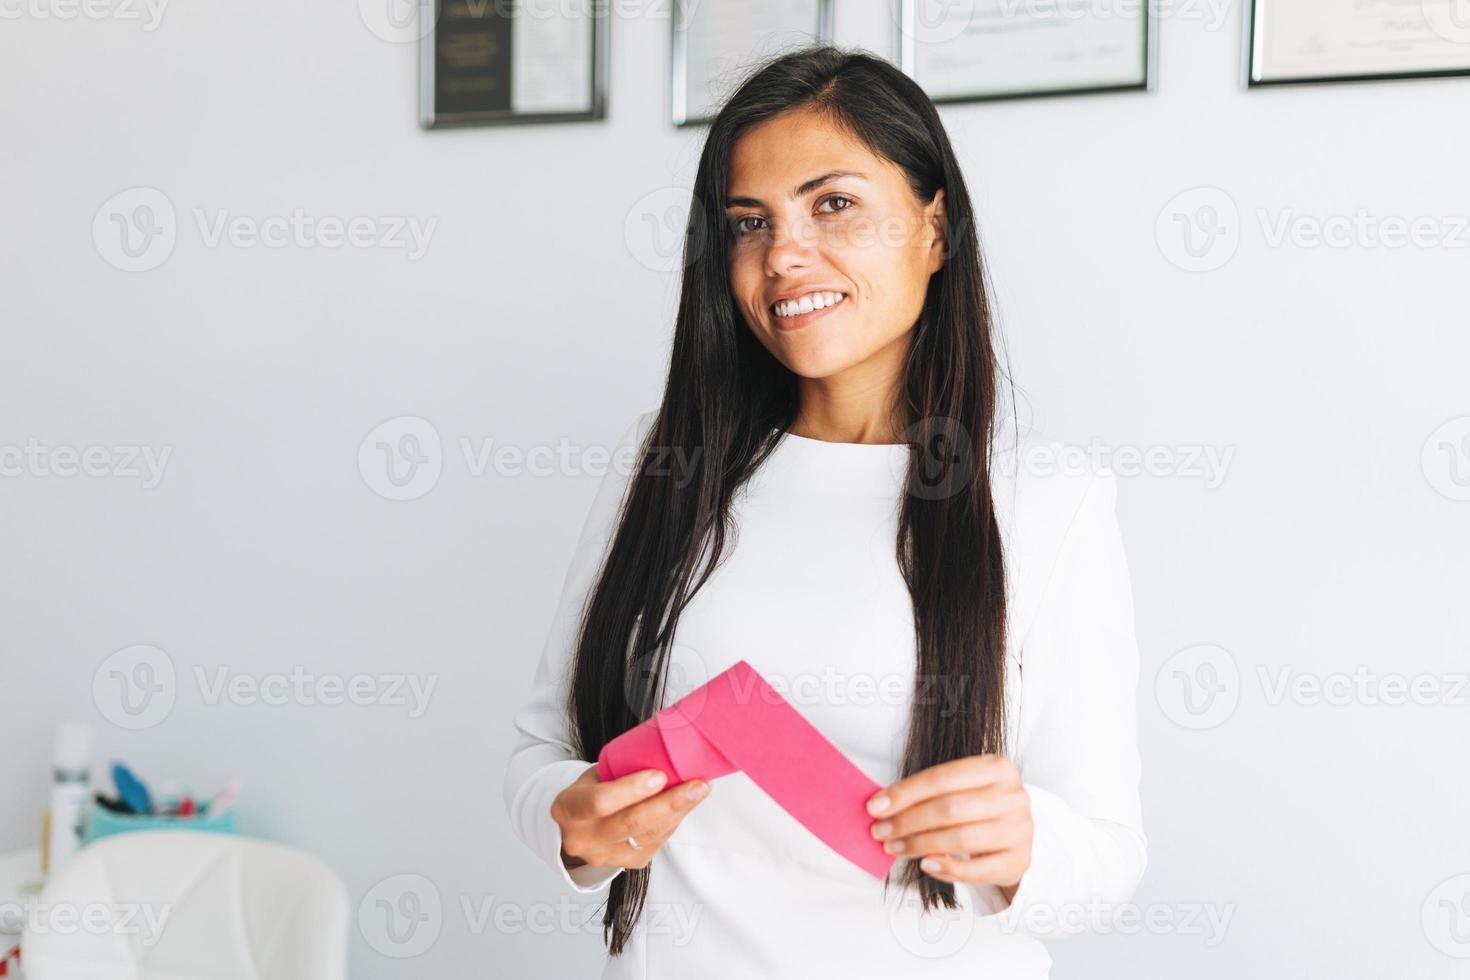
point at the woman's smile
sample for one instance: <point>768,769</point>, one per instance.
<point>793,314</point>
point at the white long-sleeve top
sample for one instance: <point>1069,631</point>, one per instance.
<point>810,594</point>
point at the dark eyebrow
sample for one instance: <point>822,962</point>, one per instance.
<point>806,187</point>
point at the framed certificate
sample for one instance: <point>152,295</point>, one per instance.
<point>979,50</point>
<point>715,40</point>
<point>489,62</point>
<point>1292,41</point>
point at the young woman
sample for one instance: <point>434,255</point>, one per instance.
<point>825,492</point>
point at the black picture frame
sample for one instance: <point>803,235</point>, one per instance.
<point>441,109</point>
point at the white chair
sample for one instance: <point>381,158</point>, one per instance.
<point>187,905</point>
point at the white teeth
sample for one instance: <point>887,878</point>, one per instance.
<point>807,303</point>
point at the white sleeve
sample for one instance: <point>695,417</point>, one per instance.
<point>542,761</point>
<point>1077,746</point>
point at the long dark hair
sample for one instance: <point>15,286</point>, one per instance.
<point>727,401</point>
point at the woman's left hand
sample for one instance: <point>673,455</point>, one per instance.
<point>969,820</point>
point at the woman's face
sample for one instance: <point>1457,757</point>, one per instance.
<point>812,212</point>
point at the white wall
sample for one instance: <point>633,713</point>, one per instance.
<point>1320,830</point>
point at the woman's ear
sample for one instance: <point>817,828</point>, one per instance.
<point>938,224</point>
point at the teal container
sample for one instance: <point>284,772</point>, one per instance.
<point>104,823</point>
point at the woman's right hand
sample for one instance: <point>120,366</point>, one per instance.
<point>597,819</point>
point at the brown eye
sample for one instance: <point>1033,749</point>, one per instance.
<point>838,197</point>
<point>741,229</point>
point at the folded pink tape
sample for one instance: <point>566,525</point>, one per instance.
<point>737,722</point>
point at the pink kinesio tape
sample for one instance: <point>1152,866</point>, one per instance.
<point>737,722</point>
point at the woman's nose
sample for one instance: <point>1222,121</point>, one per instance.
<point>790,249</point>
